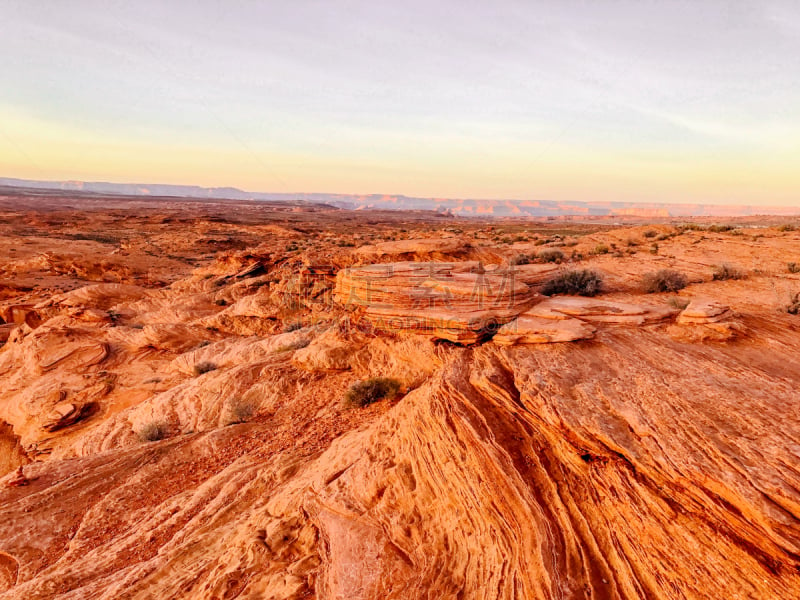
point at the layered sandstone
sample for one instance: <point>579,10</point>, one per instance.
<point>707,320</point>
<point>189,439</point>
<point>460,302</point>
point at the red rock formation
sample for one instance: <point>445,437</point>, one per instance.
<point>459,302</point>
<point>645,460</point>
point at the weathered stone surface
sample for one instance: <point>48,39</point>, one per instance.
<point>331,351</point>
<point>423,249</point>
<point>530,329</point>
<point>631,466</point>
<point>706,320</point>
<point>459,302</point>
<point>602,311</point>
<point>703,311</point>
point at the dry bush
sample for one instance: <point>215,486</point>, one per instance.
<point>204,367</point>
<point>663,280</point>
<point>793,267</point>
<point>793,308</point>
<point>720,228</point>
<point>727,271</point>
<point>240,410</point>
<point>678,302</point>
<point>577,282</point>
<point>153,431</point>
<point>292,326</point>
<point>368,391</point>
<point>550,255</point>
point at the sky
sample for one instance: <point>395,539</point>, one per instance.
<point>603,100</point>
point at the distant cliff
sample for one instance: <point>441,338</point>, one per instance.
<point>460,207</point>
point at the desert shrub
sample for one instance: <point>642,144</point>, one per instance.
<point>663,280</point>
<point>204,367</point>
<point>577,282</point>
<point>153,431</point>
<point>550,255</point>
<point>678,302</point>
<point>601,249</point>
<point>650,233</point>
<point>793,308</point>
<point>520,259</point>
<point>368,391</point>
<point>292,326</point>
<point>720,228</point>
<point>631,242</point>
<point>727,271</point>
<point>221,302</point>
<point>240,410</point>
<point>793,267</point>
<point>787,227</point>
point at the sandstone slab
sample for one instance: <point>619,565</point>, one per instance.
<point>460,302</point>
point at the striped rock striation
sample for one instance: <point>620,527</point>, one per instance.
<point>461,302</point>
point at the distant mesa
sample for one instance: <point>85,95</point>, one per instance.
<point>455,206</point>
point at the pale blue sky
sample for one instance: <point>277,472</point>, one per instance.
<point>615,100</point>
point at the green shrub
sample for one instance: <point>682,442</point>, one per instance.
<point>153,431</point>
<point>663,280</point>
<point>578,282</point>
<point>550,255</point>
<point>204,367</point>
<point>601,249</point>
<point>727,271</point>
<point>368,391</point>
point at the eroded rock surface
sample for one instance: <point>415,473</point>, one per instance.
<point>459,302</point>
<point>179,420</point>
